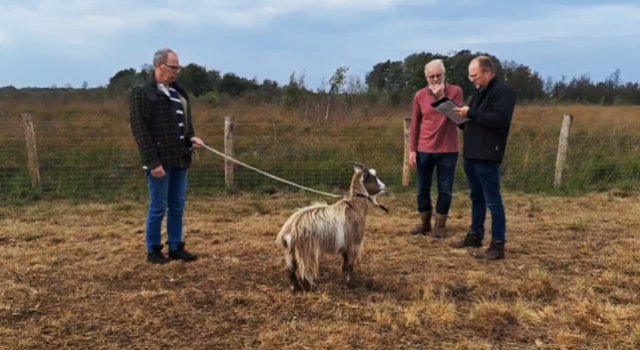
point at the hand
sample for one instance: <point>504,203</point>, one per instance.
<point>197,143</point>
<point>461,111</point>
<point>437,90</point>
<point>412,159</point>
<point>158,172</point>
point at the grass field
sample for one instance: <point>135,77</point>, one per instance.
<point>86,150</point>
<point>74,277</point>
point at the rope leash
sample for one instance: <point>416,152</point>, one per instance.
<point>269,175</point>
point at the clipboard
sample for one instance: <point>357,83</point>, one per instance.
<point>445,106</point>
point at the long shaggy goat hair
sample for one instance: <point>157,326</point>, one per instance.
<point>336,229</point>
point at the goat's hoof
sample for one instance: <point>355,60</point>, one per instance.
<point>352,283</point>
<point>306,286</point>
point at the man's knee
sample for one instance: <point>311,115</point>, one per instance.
<point>177,203</point>
<point>495,204</point>
<point>158,206</point>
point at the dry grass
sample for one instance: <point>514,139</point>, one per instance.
<point>244,112</point>
<point>74,277</point>
<point>96,156</point>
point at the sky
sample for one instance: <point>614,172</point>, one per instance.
<point>47,42</point>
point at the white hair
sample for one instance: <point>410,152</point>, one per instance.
<point>437,62</point>
<point>337,229</point>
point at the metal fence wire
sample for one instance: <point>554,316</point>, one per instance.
<point>94,159</point>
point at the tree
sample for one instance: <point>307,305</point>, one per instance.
<point>336,83</point>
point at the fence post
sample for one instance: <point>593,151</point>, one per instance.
<point>228,150</point>
<point>32,152</point>
<point>406,169</point>
<point>563,147</point>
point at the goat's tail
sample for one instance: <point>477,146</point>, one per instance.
<point>301,249</point>
<point>306,252</point>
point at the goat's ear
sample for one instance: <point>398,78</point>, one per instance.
<point>357,167</point>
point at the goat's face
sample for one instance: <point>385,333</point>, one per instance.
<point>370,181</point>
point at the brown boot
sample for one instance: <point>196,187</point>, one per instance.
<point>441,224</point>
<point>471,240</point>
<point>441,220</point>
<point>495,251</point>
<point>425,227</point>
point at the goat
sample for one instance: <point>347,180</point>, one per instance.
<point>330,230</point>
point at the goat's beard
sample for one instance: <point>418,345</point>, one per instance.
<point>374,199</point>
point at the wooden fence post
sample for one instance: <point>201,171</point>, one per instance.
<point>563,147</point>
<point>32,152</point>
<point>228,150</point>
<point>406,169</point>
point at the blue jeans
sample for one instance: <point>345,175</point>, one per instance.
<point>167,195</point>
<point>484,191</point>
<point>445,165</point>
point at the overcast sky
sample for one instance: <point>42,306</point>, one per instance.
<point>46,42</point>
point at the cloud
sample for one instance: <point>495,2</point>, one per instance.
<point>551,23</point>
<point>94,23</point>
<point>4,37</point>
<point>80,21</point>
<point>84,29</point>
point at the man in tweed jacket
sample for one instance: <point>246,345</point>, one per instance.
<point>160,115</point>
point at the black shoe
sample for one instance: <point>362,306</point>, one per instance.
<point>495,251</point>
<point>181,254</point>
<point>471,240</point>
<point>156,256</point>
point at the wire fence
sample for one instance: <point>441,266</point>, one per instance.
<point>100,160</point>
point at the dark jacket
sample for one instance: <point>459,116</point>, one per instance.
<point>490,111</point>
<point>154,125</point>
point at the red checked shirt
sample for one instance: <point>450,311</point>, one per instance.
<point>431,131</point>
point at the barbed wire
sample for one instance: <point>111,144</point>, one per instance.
<point>104,161</point>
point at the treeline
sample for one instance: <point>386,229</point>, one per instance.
<point>389,82</point>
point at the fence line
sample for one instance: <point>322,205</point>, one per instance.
<point>101,159</point>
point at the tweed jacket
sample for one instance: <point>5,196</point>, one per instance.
<point>155,128</point>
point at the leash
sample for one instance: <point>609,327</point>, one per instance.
<point>269,175</point>
<point>357,194</point>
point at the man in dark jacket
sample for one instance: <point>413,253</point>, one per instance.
<point>485,138</point>
<point>161,123</point>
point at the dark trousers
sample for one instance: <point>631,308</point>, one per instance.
<point>168,195</point>
<point>445,166</point>
<point>484,191</point>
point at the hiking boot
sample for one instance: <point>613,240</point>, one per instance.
<point>425,227</point>
<point>181,254</point>
<point>441,224</point>
<point>471,240</point>
<point>441,220</point>
<point>156,256</point>
<point>495,251</point>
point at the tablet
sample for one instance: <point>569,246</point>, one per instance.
<point>446,106</point>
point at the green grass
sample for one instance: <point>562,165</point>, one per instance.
<point>98,163</point>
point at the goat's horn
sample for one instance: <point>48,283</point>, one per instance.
<point>359,164</point>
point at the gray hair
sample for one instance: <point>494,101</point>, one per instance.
<point>437,62</point>
<point>161,56</point>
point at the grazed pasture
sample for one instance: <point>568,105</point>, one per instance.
<point>73,276</point>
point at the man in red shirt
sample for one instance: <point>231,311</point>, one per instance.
<point>433,144</point>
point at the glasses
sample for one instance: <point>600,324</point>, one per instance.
<point>435,76</point>
<point>176,69</point>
